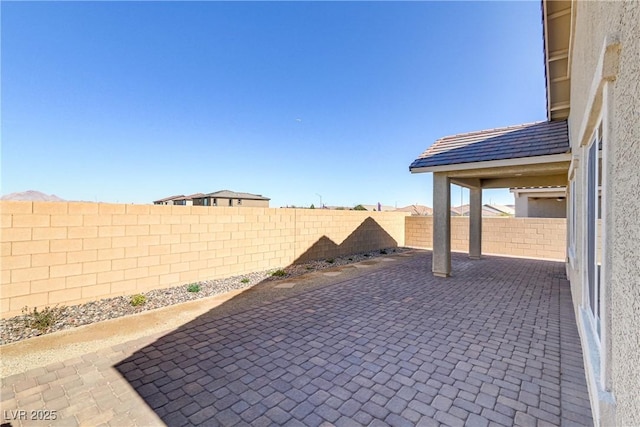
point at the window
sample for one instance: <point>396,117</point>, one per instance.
<point>572,214</point>
<point>230,202</point>
<point>594,231</point>
<point>239,201</point>
<point>215,202</point>
<point>572,221</point>
<point>205,201</point>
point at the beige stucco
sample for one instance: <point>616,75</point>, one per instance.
<point>605,85</point>
<point>547,203</point>
<point>441,261</point>
<point>548,170</point>
<point>223,201</point>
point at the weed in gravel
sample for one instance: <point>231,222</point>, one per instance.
<point>245,280</point>
<point>137,300</point>
<point>383,251</point>
<point>194,287</point>
<point>44,319</point>
<point>279,273</point>
<point>331,260</point>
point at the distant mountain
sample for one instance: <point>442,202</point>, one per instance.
<point>32,196</point>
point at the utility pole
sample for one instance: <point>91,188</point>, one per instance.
<point>321,205</point>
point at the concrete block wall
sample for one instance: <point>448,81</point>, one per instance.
<point>346,232</point>
<point>524,237</point>
<point>69,253</point>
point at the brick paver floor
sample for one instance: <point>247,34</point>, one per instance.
<point>496,344</point>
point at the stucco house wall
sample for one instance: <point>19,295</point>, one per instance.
<point>223,201</point>
<point>547,208</point>
<point>533,207</point>
<point>251,203</point>
<point>605,88</point>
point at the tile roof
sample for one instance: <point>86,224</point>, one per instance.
<point>166,199</point>
<point>527,140</point>
<point>236,195</point>
<point>190,197</point>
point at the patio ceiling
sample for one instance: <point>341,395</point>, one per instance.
<point>535,154</point>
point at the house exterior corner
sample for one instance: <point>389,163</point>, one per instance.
<point>603,250</point>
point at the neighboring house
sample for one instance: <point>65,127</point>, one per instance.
<point>590,142</point>
<point>497,210</point>
<point>231,198</point>
<point>379,207</point>
<point>487,210</point>
<point>168,200</point>
<point>416,210</point>
<point>218,198</point>
<point>540,202</point>
<point>186,200</point>
<point>337,208</point>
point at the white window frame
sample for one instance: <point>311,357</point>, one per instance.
<point>593,286</point>
<point>572,218</point>
<point>597,119</point>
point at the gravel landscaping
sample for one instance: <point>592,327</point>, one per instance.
<point>64,317</point>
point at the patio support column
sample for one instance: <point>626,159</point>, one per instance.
<point>441,266</point>
<point>475,222</point>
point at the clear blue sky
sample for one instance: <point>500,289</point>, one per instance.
<point>134,101</point>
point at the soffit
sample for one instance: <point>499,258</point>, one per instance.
<point>558,20</point>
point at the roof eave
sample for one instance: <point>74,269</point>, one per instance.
<point>557,26</point>
<point>520,161</point>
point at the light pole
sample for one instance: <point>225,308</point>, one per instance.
<point>320,195</point>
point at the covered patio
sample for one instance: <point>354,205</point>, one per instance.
<point>529,155</point>
<point>378,344</point>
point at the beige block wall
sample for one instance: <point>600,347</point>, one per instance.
<point>69,253</point>
<point>346,232</point>
<point>523,237</point>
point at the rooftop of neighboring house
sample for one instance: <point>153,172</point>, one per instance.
<point>223,194</point>
<point>383,208</point>
<point>227,194</point>
<point>166,199</point>
<point>189,197</point>
<point>416,210</point>
<point>487,210</point>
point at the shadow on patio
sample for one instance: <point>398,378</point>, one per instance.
<point>496,343</point>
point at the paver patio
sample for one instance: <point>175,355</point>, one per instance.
<point>494,345</point>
